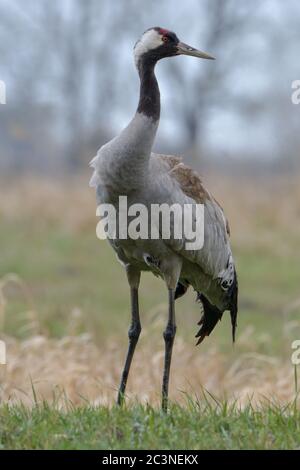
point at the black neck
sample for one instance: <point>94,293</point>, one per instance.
<point>149,103</point>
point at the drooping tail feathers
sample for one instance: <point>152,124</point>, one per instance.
<point>234,305</point>
<point>211,314</point>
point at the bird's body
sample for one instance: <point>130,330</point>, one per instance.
<point>126,166</point>
<point>164,179</point>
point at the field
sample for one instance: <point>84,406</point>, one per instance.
<point>64,315</point>
<point>194,426</point>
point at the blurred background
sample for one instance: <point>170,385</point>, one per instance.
<point>71,85</point>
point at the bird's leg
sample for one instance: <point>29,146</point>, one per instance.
<point>169,335</point>
<point>134,330</point>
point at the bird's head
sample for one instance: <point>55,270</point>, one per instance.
<point>158,43</point>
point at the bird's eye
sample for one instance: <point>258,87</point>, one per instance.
<point>165,38</point>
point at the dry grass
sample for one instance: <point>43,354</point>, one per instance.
<point>264,214</point>
<point>70,204</point>
<point>265,206</point>
<point>76,369</point>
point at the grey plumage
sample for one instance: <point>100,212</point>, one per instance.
<point>127,166</point>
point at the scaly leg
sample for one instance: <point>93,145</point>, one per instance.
<point>133,333</point>
<point>169,335</point>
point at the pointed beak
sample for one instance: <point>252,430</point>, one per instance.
<point>184,49</point>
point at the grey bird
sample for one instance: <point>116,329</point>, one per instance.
<point>126,166</point>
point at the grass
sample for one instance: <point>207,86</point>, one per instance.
<point>144,427</point>
<point>64,312</point>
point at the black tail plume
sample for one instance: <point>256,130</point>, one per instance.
<point>234,305</point>
<point>211,316</point>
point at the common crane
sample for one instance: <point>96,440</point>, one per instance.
<point>126,166</point>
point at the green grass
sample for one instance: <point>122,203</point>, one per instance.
<point>194,427</point>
